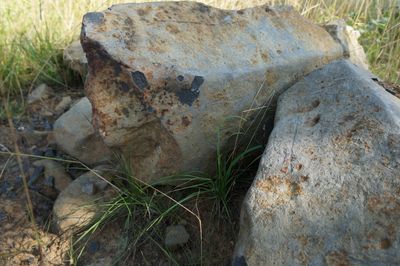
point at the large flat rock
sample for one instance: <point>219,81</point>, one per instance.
<point>163,77</point>
<point>327,190</point>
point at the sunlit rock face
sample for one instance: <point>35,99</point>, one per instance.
<point>327,190</point>
<point>164,77</point>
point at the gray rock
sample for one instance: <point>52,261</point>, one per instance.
<point>327,189</point>
<point>56,170</point>
<point>75,58</point>
<point>73,209</point>
<point>165,76</point>
<point>40,93</point>
<point>347,36</point>
<point>176,235</point>
<point>74,133</point>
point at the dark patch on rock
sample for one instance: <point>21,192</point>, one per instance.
<point>196,83</point>
<point>204,9</point>
<point>180,78</point>
<point>187,96</point>
<point>125,111</point>
<point>185,121</point>
<point>123,86</point>
<point>93,246</point>
<point>94,17</point>
<point>117,69</point>
<point>239,261</point>
<point>140,80</point>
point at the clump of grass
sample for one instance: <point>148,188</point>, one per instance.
<point>143,207</point>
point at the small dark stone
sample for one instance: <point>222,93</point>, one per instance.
<point>49,181</point>
<point>37,152</point>
<point>35,175</point>
<point>93,246</point>
<point>6,189</point>
<point>47,126</point>
<point>3,216</point>
<point>49,153</point>
<point>180,78</point>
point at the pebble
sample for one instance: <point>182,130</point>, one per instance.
<point>35,175</point>
<point>49,152</point>
<point>93,246</point>
<point>176,235</point>
<point>49,181</point>
<point>3,216</point>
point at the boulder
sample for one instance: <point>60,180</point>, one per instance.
<point>163,77</point>
<point>74,133</point>
<point>327,191</point>
<point>75,58</point>
<point>74,208</point>
<point>347,36</point>
<point>175,236</point>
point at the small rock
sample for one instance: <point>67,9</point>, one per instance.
<point>49,152</point>
<point>73,209</point>
<point>63,105</point>
<point>52,168</point>
<point>33,137</point>
<point>49,181</point>
<point>93,246</point>
<point>74,134</point>
<point>40,93</point>
<point>37,172</point>
<point>176,235</point>
<point>37,152</point>
<point>88,188</point>
<point>3,216</point>
<point>75,58</point>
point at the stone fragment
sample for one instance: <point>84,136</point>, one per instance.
<point>165,76</point>
<point>176,235</point>
<point>74,209</point>
<point>63,104</point>
<point>40,93</point>
<point>56,170</point>
<point>347,36</point>
<point>74,133</point>
<point>327,188</point>
<point>75,58</point>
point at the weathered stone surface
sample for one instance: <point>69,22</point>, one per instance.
<point>40,93</point>
<point>74,133</point>
<point>327,190</point>
<point>163,77</point>
<point>75,58</point>
<point>347,36</point>
<point>74,209</point>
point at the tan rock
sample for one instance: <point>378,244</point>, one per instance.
<point>164,77</point>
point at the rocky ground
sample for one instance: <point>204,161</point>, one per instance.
<point>19,236</point>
